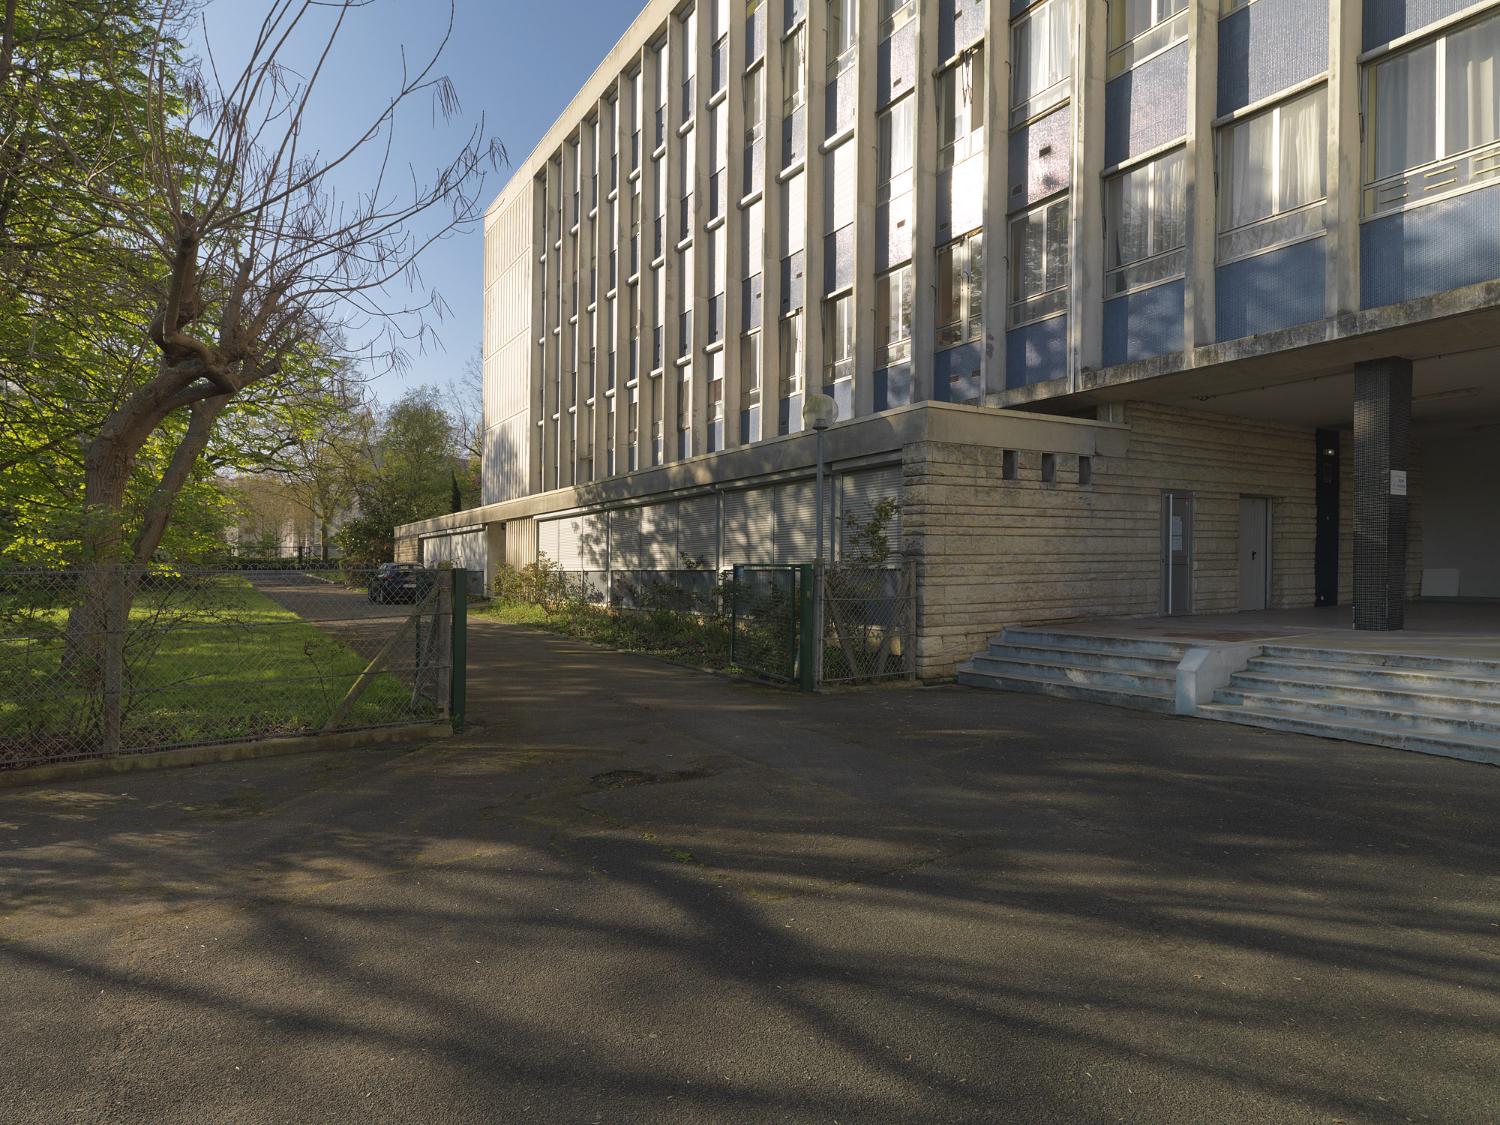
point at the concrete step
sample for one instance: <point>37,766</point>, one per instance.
<point>998,663</point>
<point>1341,710</point>
<point>1064,689</point>
<point>1132,646</point>
<point>1469,749</point>
<point>1434,694</point>
<point>1330,671</point>
<point>1112,659</point>
<point>1449,665</point>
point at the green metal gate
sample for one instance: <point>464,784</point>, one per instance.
<point>771,630</point>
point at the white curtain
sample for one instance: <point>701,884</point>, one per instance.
<point>1042,51</point>
<point>1473,97</point>
<point>1304,149</point>
<point>1248,156</point>
<point>1129,216</point>
<point>1170,220</point>
<point>1406,111</point>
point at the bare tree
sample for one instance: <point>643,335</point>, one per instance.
<point>258,260</point>
<point>467,396</point>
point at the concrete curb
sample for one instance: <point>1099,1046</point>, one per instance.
<point>225,752</point>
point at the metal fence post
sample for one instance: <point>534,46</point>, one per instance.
<point>116,623</point>
<point>459,655</point>
<point>734,611</point>
<point>808,658</point>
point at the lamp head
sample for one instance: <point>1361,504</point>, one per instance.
<point>819,411</point>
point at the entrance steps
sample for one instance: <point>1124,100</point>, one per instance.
<point>1123,671</point>
<point>1431,704</point>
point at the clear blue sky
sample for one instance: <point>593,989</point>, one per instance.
<point>516,63</point>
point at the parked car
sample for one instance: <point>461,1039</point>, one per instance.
<point>400,583</point>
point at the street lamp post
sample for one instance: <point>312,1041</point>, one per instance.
<point>818,413</point>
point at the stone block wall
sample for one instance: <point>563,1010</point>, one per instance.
<point>993,552</point>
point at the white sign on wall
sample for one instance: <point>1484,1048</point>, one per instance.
<point>1398,482</point>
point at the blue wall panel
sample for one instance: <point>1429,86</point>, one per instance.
<point>1390,19</point>
<point>960,22</point>
<point>1143,324</point>
<point>1270,45</point>
<point>955,374</point>
<point>1147,106</point>
<point>1273,290</point>
<point>1040,158</point>
<point>1431,248</point>
<point>896,67</point>
<point>893,386</point>
<point>1037,351</point>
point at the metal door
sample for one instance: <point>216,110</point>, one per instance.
<point>1177,552</point>
<point>1255,552</point>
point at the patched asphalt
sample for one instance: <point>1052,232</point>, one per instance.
<point>637,893</point>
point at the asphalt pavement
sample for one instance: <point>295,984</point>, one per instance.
<point>637,893</point>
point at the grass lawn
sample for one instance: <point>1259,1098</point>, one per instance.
<point>209,660</point>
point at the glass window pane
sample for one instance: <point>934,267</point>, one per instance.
<point>1304,149</point>
<point>1170,220</point>
<point>947,290</point>
<point>1406,111</point>
<point>1247,172</point>
<point>1057,245</point>
<point>1472,99</point>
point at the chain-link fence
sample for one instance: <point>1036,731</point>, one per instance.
<point>868,624</point>
<point>768,607</point>
<point>105,660</point>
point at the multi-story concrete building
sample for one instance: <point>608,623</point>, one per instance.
<point>1138,307</point>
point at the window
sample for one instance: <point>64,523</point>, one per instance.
<point>838,339</point>
<point>1039,262</point>
<point>960,291</point>
<point>895,14</point>
<point>1145,224</point>
<point>755,97</point>
<point>1041,60</point>
<point>1085,470</point>
<point>893,294</point>
<point>1049,468</point>
<point>793,353</point>
<point>1138,28</point>
<point>720,63</point>
<point>1272,176</point>
<point>843,26</point>
<point>896,135</point>
<point>960,109</point>
<point>750,367</point>
<point>1008,465</point>
<point>689,41</point>
<point>794,70</point>
<point>1436,102</point>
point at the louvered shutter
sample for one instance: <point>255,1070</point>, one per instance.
<point>859,493</point>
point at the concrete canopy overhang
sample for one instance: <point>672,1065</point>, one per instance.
<point>1304,375</point>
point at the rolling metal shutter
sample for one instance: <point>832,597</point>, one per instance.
<point>569,555</point>
<point>659,537</point>
<point>698,530</point>
<point>749,520</point>
<point>796,523</point>
<point>593,541</point>
<point>547,539</point>
<point>625,538</point>
<point>858,495</point>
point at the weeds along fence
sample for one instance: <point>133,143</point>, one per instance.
<point>107,660</point>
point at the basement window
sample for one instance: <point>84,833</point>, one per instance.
<point>1008,464</point>
<point>1085,471</point>
<point>1049,468</point>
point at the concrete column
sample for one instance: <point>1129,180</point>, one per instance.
<point>583,442</point>
<point>1382,432</point>
<point>1345,30</point>
<point>624,126</point>
<point>571,309</point>
<point>924,204</point>
<point>734,239</point>
<point>556,316</point>
<point>771,375</point>
<point>996,194</point>
<point>666,278</point>
<point>702,48</point>
<point>866,143</point>
<point>817,132</point>
<point>541,280</point>
<point>1086,228</point>
<point>1199,314</point>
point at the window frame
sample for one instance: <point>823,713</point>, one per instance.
<point>1028,308</point>
<point>1029,107</point>
<point>838,329</point>
<point>1447,174</point>
<point>1157,265</point>
<point>966,255</point>
<point>894,290</point>
<point>1280,228</point>
<point>969,142</point>
<point>1162,34</point>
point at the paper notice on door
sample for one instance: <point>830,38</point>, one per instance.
<point>1176,533</point>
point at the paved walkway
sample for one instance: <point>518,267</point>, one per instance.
<point>642,894</point>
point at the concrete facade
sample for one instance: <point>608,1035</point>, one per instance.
<point>1156,234</point>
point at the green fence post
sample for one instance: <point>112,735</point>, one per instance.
<point>734,610</point>
<point>807,657</point>
<point>457,677</point>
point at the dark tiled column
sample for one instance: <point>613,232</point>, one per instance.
<point>1382,429</point>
